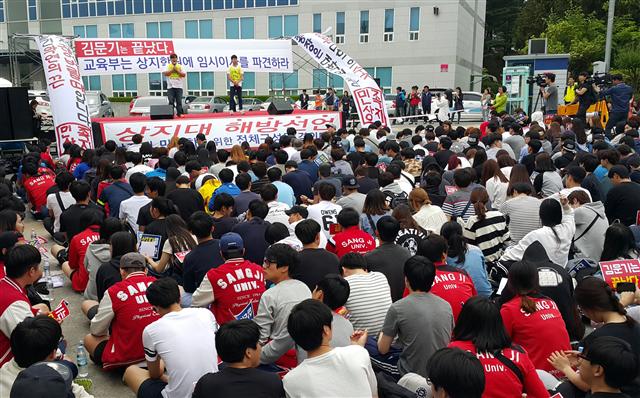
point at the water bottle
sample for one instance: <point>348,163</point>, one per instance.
<point>34,237</point>
<point>48,280</point>
<point>82,360</point>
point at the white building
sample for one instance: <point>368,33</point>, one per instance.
<point>401,42</point>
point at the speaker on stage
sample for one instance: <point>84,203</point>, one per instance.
<point>279,106</point>
<point>15,114</point>
<point>161,112</point>
<point>377,79</point>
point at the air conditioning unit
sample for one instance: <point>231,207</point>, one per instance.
<point>388,36</point>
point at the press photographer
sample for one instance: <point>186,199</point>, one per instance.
<point>620,95</point>
<point>549,92</point>
<point>585,95</point>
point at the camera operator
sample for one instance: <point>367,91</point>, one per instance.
<point>620,94</point>
<point>550,94</point>
<point>585,96</point>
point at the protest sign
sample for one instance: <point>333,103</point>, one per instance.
<point>617,271</point>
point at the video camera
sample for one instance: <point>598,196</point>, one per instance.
<point>600,79</point>
<point>538,80</point>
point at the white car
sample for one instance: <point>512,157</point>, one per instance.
<point>248,104</point>
<point>43,108</point>
<point>470,101</point>
<point>141,106</point>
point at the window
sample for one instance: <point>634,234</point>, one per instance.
<point>339,27</point>
<point>202,29</point>
<point>247,28</point>
<point>232,28</point>
<point>283,26</point>
<point>384,74</point>
<point>124,85</point>
<point>414,23</point>
<point>156,30</point>
<point>86,31</point>
<point>1,10</point>
<point>388,24</point>
<point>249,83</point>
<point>283,83</point>
<point>275,27</point>
<point>290,25</point>
<point>92,83</point>
<point>317,23</point>
<point>157,84</point>
<point>33,10</point>
<point>200,83</point>
<point>121,31</point>
<point>364,26</point>
<point>324,79</point>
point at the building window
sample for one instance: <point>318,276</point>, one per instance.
<point>1,10</point>
<point>339,27</point>
<point>249,83</point>
<point>414,23</point>
<point>385,76</point>
<point>124,85</point>
<point>121,31</point>
<point>247,28</point>
<point>364,26</point>
<point>157,84</point>
<point>388,24</point>
<point>283,26</point>
<point>157,30</point>
<point>86,31</point>
<point>239,28</point>
<point>198,29</point>
<point>92,83</point>
<point>33,10</point>
<point>323,79</point>
<point>283,83</point>
<point>200,83</point>
<point>232,28</point>
<point>317,23</point>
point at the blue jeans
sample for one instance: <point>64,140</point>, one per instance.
<point>233,91</point>
<point>175,99</point>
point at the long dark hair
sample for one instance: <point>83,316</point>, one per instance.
<point>375,203</point>
<point>551,215</point>
<point>122,243</point>
<point>164,206</point>
<point>180,238</point>
<point>518,174</point>
<point>402,213</point>
<point>594,294</point>
<point>480,322</point>
<point>452,232</point>
<point>109,226</point>
<point>523,280</point>
<point>479,198</point>
<point>618,242</point>
<point>480,158</point>
<point>8,220</point>
<point>544,163</point>
<point>491,169</point>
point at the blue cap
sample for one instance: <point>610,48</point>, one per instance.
<point>231,241</point>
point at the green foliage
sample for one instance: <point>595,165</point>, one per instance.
<point>627,62</point>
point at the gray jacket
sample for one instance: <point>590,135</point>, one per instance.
<point>97,254</point>
<point>591,243</point>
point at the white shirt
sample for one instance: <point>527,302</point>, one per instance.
<point>129,209</point>
<point>175,82</point>
<point>185,340</point>
<point>431,218</point>
<point>323,238</point>
<point>341,372</point>
<point>277,213</point>
<point>324,213</point>
<point>497,191</point>
<point>53,205</point>
<point>141,168</point>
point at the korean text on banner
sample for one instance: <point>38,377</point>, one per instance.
<point>368,97</point>
<point>66,92</point>
<point>224,131</point>
<point>112,56</point>
<point>617,271</point>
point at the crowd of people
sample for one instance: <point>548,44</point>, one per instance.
<point>435,261</point>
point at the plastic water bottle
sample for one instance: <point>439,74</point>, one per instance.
<point>34,237</point>
<point>82,360</point>
<point>48,281</point>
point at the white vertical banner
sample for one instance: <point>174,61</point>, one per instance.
<point>368,97</point>
<point>66,92</point>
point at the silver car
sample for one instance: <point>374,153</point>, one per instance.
<point>99,105</point>
<point>207,105</point>
<point>248,104</point>
<point>141,106</point>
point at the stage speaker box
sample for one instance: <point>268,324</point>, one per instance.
<point>377,79</point>
<point>161,112</point>
<point>279,106</point>
<point>15,114</point>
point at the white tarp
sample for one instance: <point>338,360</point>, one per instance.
<point>66,92</point>
<point>115,56</point>
<point>368,97</point>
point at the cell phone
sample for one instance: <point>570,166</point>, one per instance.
<point>622,287</point>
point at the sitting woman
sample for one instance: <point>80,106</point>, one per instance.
<point>487,228</point>
<point>179,242</point>
<point>619,243</point>
<point>428,216</point>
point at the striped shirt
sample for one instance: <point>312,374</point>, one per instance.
<point>369,301</point>
<point>523,216</point>
<point>489,234</point>
<point>457,204</point>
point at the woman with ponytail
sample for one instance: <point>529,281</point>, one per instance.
<point>598,302</point>
<point>161,208</point>
<point>466,257</point>
<point>487,228</point>
<point>532,320</point>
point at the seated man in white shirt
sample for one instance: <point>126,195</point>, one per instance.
<point>327,371</point>
<point>130,208</point>
<point>138,166</point>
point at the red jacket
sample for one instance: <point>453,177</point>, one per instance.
<point>352,240</point>
<point>73,163</point>
<point>237,287</point>
<point>14,308</point>
<point>36,187</point>
<point>500,381</point>
<point>77,250</point>
<point>130,312</point>
<point>454,286</point>
<point>540,333</point>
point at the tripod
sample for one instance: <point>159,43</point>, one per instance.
<point>535,105</point>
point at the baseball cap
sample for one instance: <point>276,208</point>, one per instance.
<point>472,140</point>
<point>569,145</point>
<point>297,210</point>
<point>132,260</point>
<point>231,241</point>
<point>429,127</point>
<point>330,125</point>
<point>350,182</point>
<point>43,379</point>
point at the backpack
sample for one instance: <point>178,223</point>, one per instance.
<point>396,199</point>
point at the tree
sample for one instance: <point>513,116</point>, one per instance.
<point>627,62</point>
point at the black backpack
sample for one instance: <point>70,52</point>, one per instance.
<point>396,199</point>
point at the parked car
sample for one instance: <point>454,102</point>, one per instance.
<point>248,104</point>
<point>99,104</point>
<point>43,108</point>
<point>470,101</point>
<point>141,106</point>
<point>207,105</point>
<point>267,102</point>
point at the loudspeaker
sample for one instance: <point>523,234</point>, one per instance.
<point>161,112</point>
<point>279,106</point>
<point>15,114</point>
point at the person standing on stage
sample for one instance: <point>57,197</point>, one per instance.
<point>304,100</point>
<point>175,83</point>
<point>235,76</point>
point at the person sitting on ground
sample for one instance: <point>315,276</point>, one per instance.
<point>34,340</point>
<point>269,195</point>
<point>117,192</point>
<point>458,204</point>
<point>130,208</point>
<point>280,262</point>
<point>350,195</point>
<point>351,239</point>
<point>454,373</point>
<point>123,313</point>
<point>333,290</point>
<point>241,202</point>
<point>75,269</point>
<point>69,226</point>
<point>182,340</point>
<point>252,231</point>
<point>315,262</point>
<point>237,344</point>
<point>348,368</point>
<point>98,253</point>
<point>233,289</point>
<point>226,177</point>
<point>223,220</point>
<point>186,199</point>
<point>108,273</point>
<point>59,202</point>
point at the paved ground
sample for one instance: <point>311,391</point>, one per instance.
<point>76,326</point>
